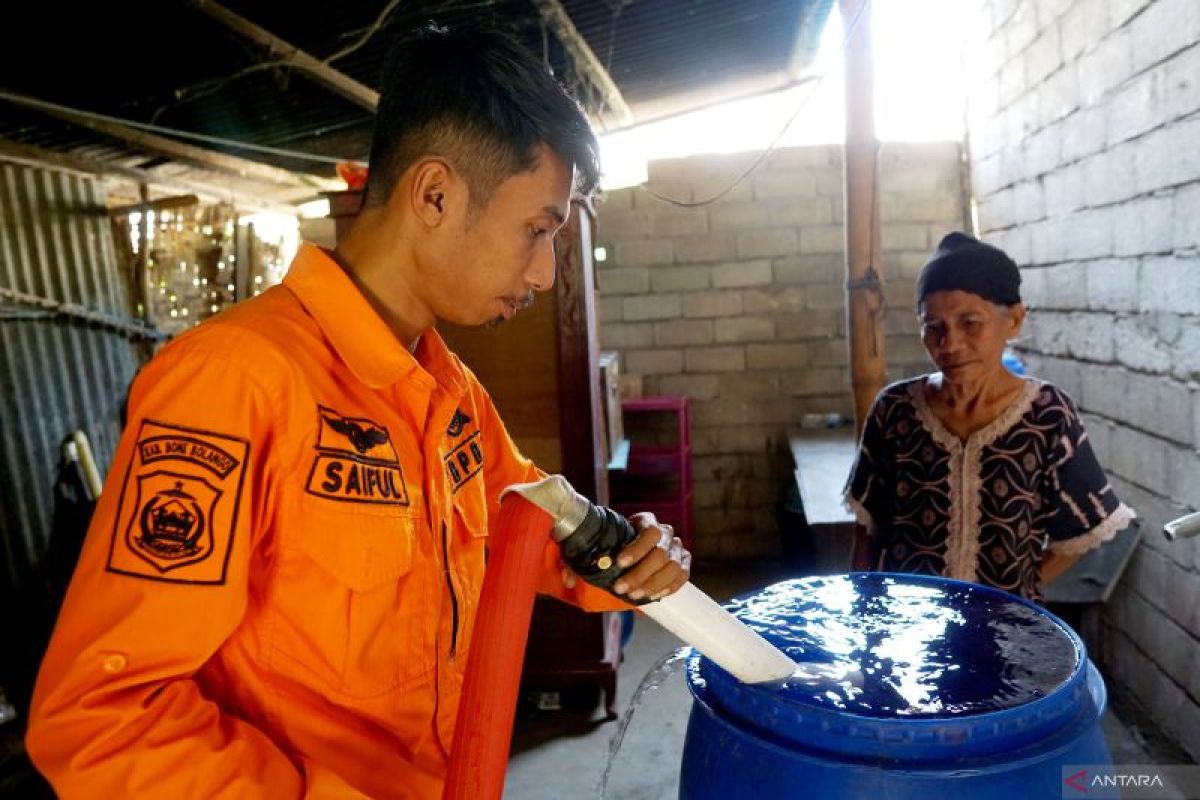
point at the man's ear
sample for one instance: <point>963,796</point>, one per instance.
<point>431,191</point>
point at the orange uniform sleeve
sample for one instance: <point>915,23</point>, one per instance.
<point>504,466</point>
<point>162,581</point>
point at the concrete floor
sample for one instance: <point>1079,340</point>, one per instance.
<point>561,755</point>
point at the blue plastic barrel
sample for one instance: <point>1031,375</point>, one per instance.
<point>909,687</point>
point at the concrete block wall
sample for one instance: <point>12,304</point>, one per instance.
<point>1083,121</point>
<point>740,305</point>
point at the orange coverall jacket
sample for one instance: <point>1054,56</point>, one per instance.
<point>277,590</point>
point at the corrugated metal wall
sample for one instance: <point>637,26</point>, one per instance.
<point>57,374</point>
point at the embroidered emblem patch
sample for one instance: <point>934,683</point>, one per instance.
<point>464,461</point>
<point>355,462</point>
<point>457,423</point>
<point>179,504</point>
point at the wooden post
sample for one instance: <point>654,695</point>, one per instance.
<point>864,272</point>
<point>141,295</point>
<point>246,263</point>
<point>578,358</point>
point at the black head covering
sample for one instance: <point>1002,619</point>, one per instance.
<point>963,262</point>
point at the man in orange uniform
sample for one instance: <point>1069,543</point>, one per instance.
<point>278,588</point>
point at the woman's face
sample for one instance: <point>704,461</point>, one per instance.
<point>965,334</point>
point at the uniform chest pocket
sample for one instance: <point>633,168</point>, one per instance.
<point>361,551</point>
<point>355,612</point>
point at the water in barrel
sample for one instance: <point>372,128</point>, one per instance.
<point>906,687</point>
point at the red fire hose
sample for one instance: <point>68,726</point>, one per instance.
<point>479,757</point>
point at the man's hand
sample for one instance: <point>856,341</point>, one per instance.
<point>658,564</point>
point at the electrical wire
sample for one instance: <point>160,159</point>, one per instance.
<point>371,31</point>
<point>816,80</point>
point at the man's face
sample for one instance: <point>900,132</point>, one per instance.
<point>493,258</point>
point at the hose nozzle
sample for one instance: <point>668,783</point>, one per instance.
<point>591,537</point>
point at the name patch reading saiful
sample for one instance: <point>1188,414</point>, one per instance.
<point>355,462</point>
<point>179,504</point>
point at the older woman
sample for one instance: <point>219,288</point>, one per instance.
<point>973,472</point>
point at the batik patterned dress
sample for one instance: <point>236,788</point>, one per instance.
<point>984,509</point>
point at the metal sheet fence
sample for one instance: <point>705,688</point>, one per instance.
<point>57,374</point>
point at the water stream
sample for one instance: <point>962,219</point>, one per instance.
<point>663,669</point>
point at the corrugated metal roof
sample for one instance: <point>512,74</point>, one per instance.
<point>153,60</point>
<point>654,50</point>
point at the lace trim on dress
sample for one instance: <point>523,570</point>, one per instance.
<point>1115,522</point>
<point>966,478</point>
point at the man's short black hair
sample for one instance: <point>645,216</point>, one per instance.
<point>480,100</point>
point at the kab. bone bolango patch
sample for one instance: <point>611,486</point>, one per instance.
<point>179,504</point>
<point>355,462</point>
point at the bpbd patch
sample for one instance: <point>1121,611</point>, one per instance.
<point>464,461</point>
<point>355,462</point>
<point>179,503</point>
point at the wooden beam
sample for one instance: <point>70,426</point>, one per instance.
<point>161,204</point>
<point>239,198</point>
<point>179,151</point>
<point>864,272</point>
<point>293,56</point>
<point>559,21</point>
<point>39,157</point>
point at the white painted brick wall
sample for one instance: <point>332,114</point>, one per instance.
<point>1085,168</point>
<point>1163,29</point>
<point>1170,284</point>
<point>1082,26</point>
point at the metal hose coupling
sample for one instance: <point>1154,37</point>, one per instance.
<point>590,537</point>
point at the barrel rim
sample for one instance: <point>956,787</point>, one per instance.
<point>1002,727</point>
<point>932,761</point>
